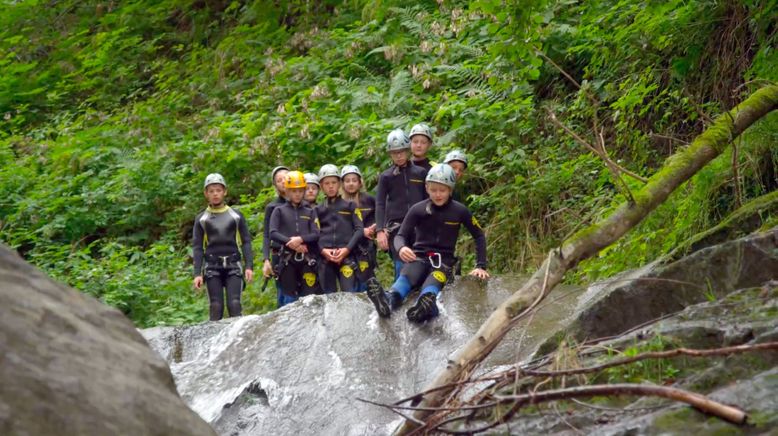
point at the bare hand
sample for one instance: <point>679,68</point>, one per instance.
<point>341,254</point>
<point>198,282</point>
<point>407,255</point>
<point>480,273</point>
<point>249,274</point>
<point>328,254</point>
<point>267,269</point>
<point>383,241</point>
<point>294,242</point>
<point>369,232</point>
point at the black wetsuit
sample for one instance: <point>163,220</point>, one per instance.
<point>436,230</point>
<point>399,188</point>
<point>270,249</point>
<point>296,271</point>
<point>216,237</point>
<point>366,249</point>
<point>424,163</point>
<point>341,226</point>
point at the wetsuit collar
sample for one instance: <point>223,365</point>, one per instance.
<point>221,209</point>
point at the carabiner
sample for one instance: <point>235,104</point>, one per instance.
<point>432,257</point>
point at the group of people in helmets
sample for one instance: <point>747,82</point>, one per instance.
<point>315,247</point>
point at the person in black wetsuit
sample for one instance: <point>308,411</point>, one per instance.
<point>270,249</point>
<point>312,188</point>
<point>341,231</point>
<point>219,235</point>
<point>399,188</point>
<point>365,254</point>
<point>421,141</point>
<point>458,161</point>
<point>295,227</point>
<point>436,222</point>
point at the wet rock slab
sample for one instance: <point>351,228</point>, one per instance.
<point>301,369</point>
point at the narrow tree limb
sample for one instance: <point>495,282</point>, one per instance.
<point>657,355</point>
<point>589,241</point>
<point>594,150</point>
<point>700,402</point>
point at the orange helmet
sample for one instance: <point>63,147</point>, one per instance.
<point>294,179</point>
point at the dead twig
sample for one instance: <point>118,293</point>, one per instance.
<point>657,355</point>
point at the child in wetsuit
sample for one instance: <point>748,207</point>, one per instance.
<point>365,255</point>
<point>219,236</point>
<point>436,222</point>
<point>271,249</point>
<point>341,231</point>
<point>295,227</point>
<point>421,141</point>
<point>399,188</point>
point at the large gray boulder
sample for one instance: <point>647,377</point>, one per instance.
<point>636,297</point>
<point>73,366</point>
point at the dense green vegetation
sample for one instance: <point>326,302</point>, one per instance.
<point>112,113</point>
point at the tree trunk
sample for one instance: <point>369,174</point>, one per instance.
<point>678,168</point>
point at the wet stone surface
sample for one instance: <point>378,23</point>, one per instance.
<point>301,369</point>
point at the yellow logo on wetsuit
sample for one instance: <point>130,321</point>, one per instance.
<point>363,265</point>
<point>359,213</point>
<point>346,271</point>
<point>475,223</point>
<point>439,276</point>
<point>318,226</point>
<point>310,278</point>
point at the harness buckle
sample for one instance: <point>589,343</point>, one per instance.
<point>224,260</point>
<point>299,257</point>
<point>436,260</point>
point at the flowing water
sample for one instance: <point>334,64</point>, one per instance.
<point>301,369</point>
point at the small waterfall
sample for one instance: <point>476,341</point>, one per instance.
<point>300,370</point>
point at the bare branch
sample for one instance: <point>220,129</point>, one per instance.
<point>594,150</point>
<point>657,355</point>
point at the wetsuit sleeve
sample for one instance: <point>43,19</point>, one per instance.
<point>407,228</point>
<point>275,226</point>
<point>245,238</point>
<point>380,203</point>
<point>197,246</point>
<point>266,232</point>
<point>313,236</point>
<point>356,220</point>
<point>478,234</point>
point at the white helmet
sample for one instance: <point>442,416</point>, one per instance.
<point>214,178</point>
<point>311,178</point>
<point>328,170</point>
<point>456,155</point>
<point>275,170</point>
<point>397,140</point>
<point>443,174</point>
<point>421,129</point>
<point>350,169</point>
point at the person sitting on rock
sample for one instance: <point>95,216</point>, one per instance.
<point>295,227</point>
<point>435,222</point>
<point>399,188</point>
<point>341,231</point>
<point>365,254</point>
<point>219,236</point>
